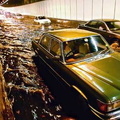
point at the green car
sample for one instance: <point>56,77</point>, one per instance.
<point>86,67</point>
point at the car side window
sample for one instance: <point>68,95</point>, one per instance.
<point>45,41</point>
<point>55,47</point>
<point>92,24</point>
<point>101,26</point>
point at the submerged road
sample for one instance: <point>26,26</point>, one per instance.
<point>23,92</point>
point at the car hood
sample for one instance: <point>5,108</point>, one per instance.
<point>102,73</point>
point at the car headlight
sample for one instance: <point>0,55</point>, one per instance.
<point>106,107</point>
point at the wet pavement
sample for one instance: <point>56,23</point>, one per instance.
<point>29,96</point>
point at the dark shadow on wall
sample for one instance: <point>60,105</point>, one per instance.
<point>12,3</point>
<point>65,23</point>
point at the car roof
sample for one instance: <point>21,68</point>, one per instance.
<point>105,20</point>
<point>70,34</point>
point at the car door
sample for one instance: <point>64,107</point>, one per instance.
<point>54,57</point>
<point>56,66</point>
<point>43,48</point>
<point>50,53</point>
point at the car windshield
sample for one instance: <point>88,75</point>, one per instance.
<point>84,48</point>
<point>113,25</point>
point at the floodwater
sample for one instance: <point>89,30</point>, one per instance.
<point>29,96</point>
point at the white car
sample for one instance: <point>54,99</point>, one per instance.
<point>42,20</point>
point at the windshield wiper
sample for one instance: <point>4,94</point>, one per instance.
<point>101,51</point>
<point>105,51</point>
<point>108,50</point>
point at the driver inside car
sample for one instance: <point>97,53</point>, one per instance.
<point>67,49</point>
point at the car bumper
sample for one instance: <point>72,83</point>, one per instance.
<point>114,115</point>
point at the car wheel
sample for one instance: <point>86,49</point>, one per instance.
<point>82,108</point>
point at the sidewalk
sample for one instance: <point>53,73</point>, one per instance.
<point>5,109</point>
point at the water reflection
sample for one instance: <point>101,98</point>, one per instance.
<point>29,96</point>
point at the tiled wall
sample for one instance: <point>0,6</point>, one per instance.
<point>73,9</point>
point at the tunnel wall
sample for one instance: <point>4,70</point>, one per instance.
<point>72,9</point>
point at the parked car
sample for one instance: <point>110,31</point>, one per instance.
<point>86,66</point>
<point>108,28</point>
<point>42,20</point>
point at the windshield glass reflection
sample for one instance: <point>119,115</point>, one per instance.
<point>83,48</point>
<point>113,25</point>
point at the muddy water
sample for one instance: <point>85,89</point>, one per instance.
<point>29,96</point>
